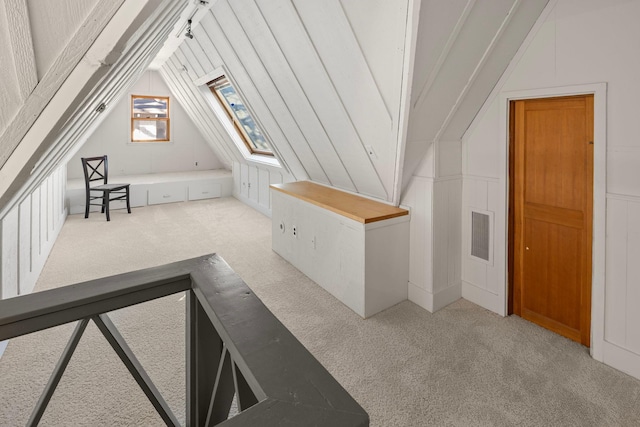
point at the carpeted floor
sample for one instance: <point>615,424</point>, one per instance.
<point>462,366</point>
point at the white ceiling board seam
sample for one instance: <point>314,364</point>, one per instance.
<point>306,98</point>
<point>286,105</point>
<point>364,58</point>
<point>209,133</point>
<point>512,65</point>
<point>278,125</point>
<point>444,54</point>
<point>208,118</point>
<point>377,124</point>
<point>256,117</point>
<point>203,116</point>
<point>404,112</point>
<point>344,108</point>
<point>192,58</point>
<point>480,64</point>
<point>286,27</point>
<point>200,54</point>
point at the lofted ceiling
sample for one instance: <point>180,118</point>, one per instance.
<point>351,93</point>
<point>108,44</point>
<point>463,47</point>
<point>325,78</point>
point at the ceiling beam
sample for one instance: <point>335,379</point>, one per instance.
<point>89,65</point>
<point>22,46</point>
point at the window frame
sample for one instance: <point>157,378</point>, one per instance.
<point>246,139</point>
<point>167,119</point>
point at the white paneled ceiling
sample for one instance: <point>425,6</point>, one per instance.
<point>324,78</point>
<point>108,52</point>
<point>327,80</point>
<point>463,48</point>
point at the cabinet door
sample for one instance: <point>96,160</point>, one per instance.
<point>168,192</point>
<point>206,189</point>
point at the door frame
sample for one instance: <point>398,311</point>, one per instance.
<point>599,91</point>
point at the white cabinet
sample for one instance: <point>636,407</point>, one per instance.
<point>207,189</point>
<point>153,189</point>
<point>363,264</point>
<point>167,192</point>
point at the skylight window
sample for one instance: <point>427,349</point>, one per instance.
<point>238,113</point>
<point>150,118</point>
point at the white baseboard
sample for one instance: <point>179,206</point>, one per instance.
<point>622,359</point>
<point>3,346</point>
<point>434,302</point>
<point>257,206</point>
<point>481,297</point>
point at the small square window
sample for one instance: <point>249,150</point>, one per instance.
<point>238,113</point>
<point>150,118</point>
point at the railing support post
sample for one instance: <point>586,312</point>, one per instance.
<point>41,406</point>
<point>204,348</point>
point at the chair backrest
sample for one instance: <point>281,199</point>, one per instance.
<point>95,169</point>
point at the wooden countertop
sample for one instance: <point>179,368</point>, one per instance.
<point>355,207</point>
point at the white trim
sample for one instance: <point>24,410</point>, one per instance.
<point>480,178</point>
<point>599,90</point>
<point>542,19</point>
<point>625,197</point>
<point>226,123</point>
<point>482,297</point>
<point>253,204</point>
<point>3,346</point>
<point>404,113</point>
<point>622,359</point>
<point>433,302</point>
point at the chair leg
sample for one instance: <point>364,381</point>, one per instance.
<point>128,203</point>
<point>105,198</point>
<point>105,205</point>
<point>86,205</point>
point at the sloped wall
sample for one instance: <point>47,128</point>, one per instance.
<point>579,43</point>
<point>32,210</point>
<point>27,235</point>
<point>463,47</point>
<point>324,80</point>
<point>187,151</point>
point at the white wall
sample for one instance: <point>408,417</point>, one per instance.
<point>251,184</point>
<point>27,234</point>
<point>323,79</point>
<point>579,43</point>
<point>434,195</point>
<point>112,137</point>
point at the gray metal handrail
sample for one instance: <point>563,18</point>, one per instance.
<point>235,347</point>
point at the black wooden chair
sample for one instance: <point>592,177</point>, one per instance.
<point>97,169</point>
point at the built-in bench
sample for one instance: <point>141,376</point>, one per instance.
<point>355,248</point>
<point>157,188</point>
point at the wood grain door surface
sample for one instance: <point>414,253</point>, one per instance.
<point>552,204</point>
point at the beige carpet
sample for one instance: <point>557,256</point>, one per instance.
<point>459,367</point>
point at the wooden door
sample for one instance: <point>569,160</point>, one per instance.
<point>552,203</point>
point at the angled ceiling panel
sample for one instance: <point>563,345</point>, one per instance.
<point>473,41</point>
<point>269,52</point>
<point>122,52</point>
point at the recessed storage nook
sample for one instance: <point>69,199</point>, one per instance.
<point>157,188</point>
<point>355,248</point>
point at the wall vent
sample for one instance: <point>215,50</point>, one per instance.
<point>480,235</point>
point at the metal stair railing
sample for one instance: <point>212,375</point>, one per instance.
<point>235,347</point>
